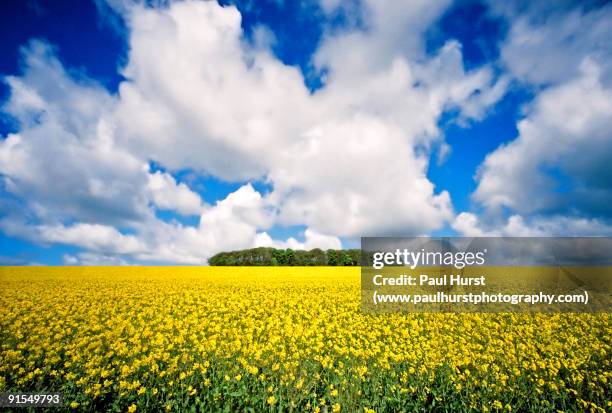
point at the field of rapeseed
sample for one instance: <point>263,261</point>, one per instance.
<point>282,339</point>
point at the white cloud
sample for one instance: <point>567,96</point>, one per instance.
<point>362,179</point>
<point>466,224</point>
<point>94,237</point>
<point>469,225</point>
<point>548,46</point>
<point>312,240</point>
<point>347,160</point>
<point>554,177</point>
<point>206,100</point>
<point>230,224</point>
<point>64,160</point>
<point>91,236</point>
<point>167,194</point>
<point>568,132</point>
<point>92,258</point>
<point>198,97</point>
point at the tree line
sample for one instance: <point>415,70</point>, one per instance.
<point>266,256</point>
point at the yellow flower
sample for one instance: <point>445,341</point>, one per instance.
<point>132,408</point>
<point>285,331</point>
<point>335,407</point>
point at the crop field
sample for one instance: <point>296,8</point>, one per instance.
<point>282,339</point>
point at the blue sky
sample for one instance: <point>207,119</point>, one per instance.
<point>166,132</point>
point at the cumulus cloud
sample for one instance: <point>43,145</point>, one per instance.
<point>198,97</point>
<point>64,160</point>
<point>237,112</point>
<point>92,258</point>
<point>470,225</point>
<point>312,240</point>
<point>66,164</point>
<point>567,135</point>
<point>554,177</point>
<point>230,224</point>
<point>347,160</point>
<point>166,193</point>
<point>548,42</point>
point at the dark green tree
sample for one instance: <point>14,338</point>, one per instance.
<point>289,257</point>
<point>346,259</point>
<point>332,257</point>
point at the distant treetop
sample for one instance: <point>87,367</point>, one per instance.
<point>266,256</point>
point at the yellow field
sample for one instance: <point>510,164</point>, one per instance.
<point>282,339</point>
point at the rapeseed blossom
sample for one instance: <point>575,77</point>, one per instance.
<point>236,339</point>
